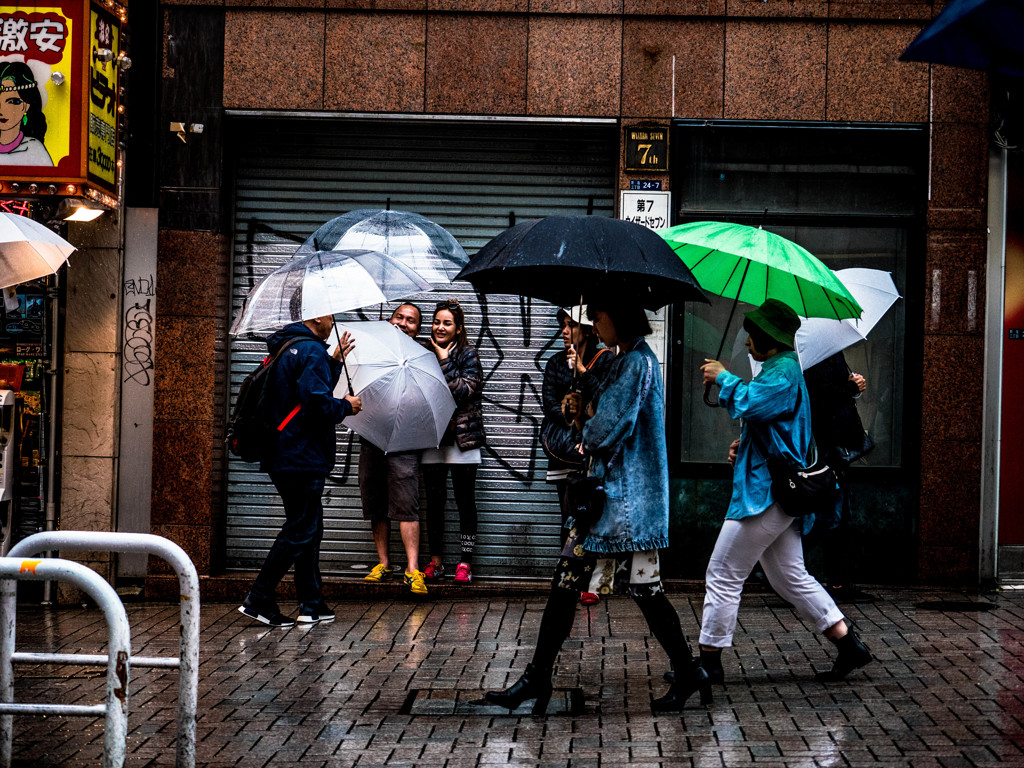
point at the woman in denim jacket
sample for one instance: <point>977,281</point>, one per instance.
<point>625,439</point>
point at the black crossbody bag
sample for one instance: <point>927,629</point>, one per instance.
<point>807,490</point>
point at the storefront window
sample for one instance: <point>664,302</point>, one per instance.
<point>852,197</point>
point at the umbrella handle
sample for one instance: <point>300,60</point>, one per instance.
<point>344,366</point>
<point>707,397</point>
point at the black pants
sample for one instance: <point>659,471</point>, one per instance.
<point>435,482</point>
<point>297,543</point>
<point>560,612</point>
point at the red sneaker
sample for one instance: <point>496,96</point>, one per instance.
<point>433,572</point>
<point>589,598</point>
<point>463,574</point>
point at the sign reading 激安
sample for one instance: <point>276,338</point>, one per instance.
<point>646,148</point>
<point>104,47</point>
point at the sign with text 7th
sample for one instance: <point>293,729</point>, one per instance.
<point>650,209</point>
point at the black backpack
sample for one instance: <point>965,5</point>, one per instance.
<point>249,434</point>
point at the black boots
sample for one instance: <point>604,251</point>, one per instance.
<point>712,663</point>
<point>689,677</point>
<point>853,654</point>
<point>534,684</point>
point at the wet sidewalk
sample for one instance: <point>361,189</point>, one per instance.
<point>393,683</point>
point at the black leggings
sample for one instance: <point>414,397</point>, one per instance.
<point>560,612</point>
<point>435,481</point>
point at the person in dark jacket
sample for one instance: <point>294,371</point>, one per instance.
<point>301,402</point>
<point>571,378</point>
<point>833,388</point>
<point>460,447</point>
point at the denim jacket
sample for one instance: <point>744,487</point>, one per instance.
<point>626,440</point>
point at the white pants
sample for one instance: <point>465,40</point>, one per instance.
<point>773,538</point>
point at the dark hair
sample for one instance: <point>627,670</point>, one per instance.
<point>630,320</point>
<point>453,306</point>
<point>762,340</point>
<point>419,312</point>
<point>27,89</point>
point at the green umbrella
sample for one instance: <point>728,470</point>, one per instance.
<point>752,265</point>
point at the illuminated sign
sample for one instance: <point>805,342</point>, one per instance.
<point>60,104</point>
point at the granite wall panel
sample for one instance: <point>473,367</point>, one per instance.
<point>274,60</point>
<point>775,70</point>
<point>190,272</point>
<point>959,177</point>
<point>375,62</point>
<point>574,66</point>
<point>476,64</point>
<point>951,409</point>
<point>866,80</point>
<point>657,53</point>
<point>955,282</point>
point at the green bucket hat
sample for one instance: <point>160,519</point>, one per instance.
<point>776,319</point>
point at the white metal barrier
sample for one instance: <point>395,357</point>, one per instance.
<point>118,660</point>
<point>188,658</point>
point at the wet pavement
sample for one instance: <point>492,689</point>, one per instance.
<point>395,683</point>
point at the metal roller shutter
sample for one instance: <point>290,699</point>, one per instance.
<point>293,175</point>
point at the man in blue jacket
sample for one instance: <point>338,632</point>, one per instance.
<point>299,399</point>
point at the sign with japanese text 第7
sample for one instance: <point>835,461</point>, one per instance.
<point>38,71</point>
<point>650,209</point>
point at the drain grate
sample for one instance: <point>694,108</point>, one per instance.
<point>445,701</point>
<point>955,606</point>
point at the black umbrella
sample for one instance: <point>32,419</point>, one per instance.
<point>561,258</point>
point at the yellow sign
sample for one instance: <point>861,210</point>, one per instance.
<point>104,35</point>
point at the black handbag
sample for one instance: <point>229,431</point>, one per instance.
<point>803,490</point>
<point>848,455</point>
<point>585,496</point>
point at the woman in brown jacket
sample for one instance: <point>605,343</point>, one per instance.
<point>460,447</point>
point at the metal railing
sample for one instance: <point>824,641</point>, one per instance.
<point>118,660</point>
<point>188,658</point>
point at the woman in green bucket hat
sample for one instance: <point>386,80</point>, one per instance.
<point>776,415</point>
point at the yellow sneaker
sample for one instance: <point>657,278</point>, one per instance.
<point>379,573</point>
<point>415,581</point>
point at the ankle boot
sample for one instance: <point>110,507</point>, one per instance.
<point>690,677</point>
<point>712,663</point>
<point>853,654</point>
<point>534,684</point>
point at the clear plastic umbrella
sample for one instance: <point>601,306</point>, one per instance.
<point>29,250</point>
<point>419,243</point>
<point>406,401</point>
<point>321,283</point>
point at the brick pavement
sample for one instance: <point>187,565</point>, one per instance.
<point>946,689</point>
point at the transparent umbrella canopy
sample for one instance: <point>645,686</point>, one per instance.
<point>417,242</point>
<point>321,283</point>
<point>29,250</point>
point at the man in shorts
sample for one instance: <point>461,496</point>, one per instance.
<point>389,485</point>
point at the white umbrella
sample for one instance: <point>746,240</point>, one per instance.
<point>29,250</point>
<point>819,338</point>
<point>406,401</point>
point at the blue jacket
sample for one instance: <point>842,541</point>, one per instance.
<point>775,406</point>
<point>304,375</point>
<point>627,443</point>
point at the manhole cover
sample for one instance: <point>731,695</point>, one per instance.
<point>955,606</point>
<point>564,701</point>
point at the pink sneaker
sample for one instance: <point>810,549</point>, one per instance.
<point>433,572</point>
<point>463,574</point>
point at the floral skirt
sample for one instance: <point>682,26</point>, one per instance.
<point>637,574</point>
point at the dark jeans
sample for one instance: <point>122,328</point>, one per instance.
<point>298,542</point>
<point>435,482</point>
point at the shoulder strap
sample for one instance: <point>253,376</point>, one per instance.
<point>596,355</point>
